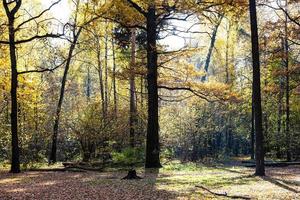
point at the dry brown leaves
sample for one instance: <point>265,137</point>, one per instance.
<point>280,183</point>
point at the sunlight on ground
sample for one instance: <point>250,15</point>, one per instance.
<point>174,181</point>
<point>16,190</point>
<point>47,183</point>
<point>10,180</point>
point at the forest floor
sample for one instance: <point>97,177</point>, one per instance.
<point>174,181</point>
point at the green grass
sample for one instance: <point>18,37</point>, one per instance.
<point>183,177</point>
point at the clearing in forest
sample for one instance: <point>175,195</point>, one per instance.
<point>174,181</point>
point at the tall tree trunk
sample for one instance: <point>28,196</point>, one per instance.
<point>228,80</point>
<point>106,68</point>
<point>259,151</point>
<point>15,161</point>
<point>278,135</point>
<point>265,114</point>
<point>227,56</point>
<point>211,46</point>
<point>287,92</point>
<point>152,142</point>
<point>100,74</point>
<point>15,157</point>
<point>280,112</point>
<point>52,158</point>
<point>132,117</point>
<point>114,78</point>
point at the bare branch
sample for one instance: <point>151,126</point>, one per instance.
<point>42,70</point>
<point>47,35</point>
<point>198,94</point>
<point>294,20</point>
<point>38,16</point>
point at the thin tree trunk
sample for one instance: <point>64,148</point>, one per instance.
<point>152,142</point>
<point>265,115</point>
<point>114,78</point>
<point>287,92</point>
<point>227,56</point>
<point>259,151</point>
<point>211,47</point>
<point>228,80</point>
<point>278,136</point>
<point>88,84</point>
<point>52,158</point>
<point>15,161</point>
<point>132,117</point>
<point>106,69</point>
<point>100,74</point>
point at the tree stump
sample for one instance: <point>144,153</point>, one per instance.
<point>131,175</point>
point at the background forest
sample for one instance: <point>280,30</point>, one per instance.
<point>83,87</point>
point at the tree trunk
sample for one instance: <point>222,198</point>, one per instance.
<point>132,117</point>
<point>15,161</point>
<point>265,114</point>
<point>88,84</point>
<point>252,130</point>
<point>114,78</point>
<point>106,69</point>
<point>211,47</point>
<point>100,74</point>
<point>227,56</point>
<point>278,136</point>
<point>259,151</point>
<point>152,143</point>
<point>287,92</point>
<point>52,158</point>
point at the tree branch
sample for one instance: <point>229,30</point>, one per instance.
<point>47,35</point>
<point>42,70</point>
<point>198,94</point>
<point>283,10</point>
<point>38,16</point>
<point>137,7</point>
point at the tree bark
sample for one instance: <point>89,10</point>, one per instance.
<point>259,151</point>
<point>152,143</point>
<point>15,162</point>
<point>15,159</point>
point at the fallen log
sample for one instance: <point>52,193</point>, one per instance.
<point>223,194</point>
<point>57,170</point>
<point>46,170</point>
<point>84,168</point>
<point>81,166</point>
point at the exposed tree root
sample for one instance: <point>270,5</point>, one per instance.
<point>223,194</point>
